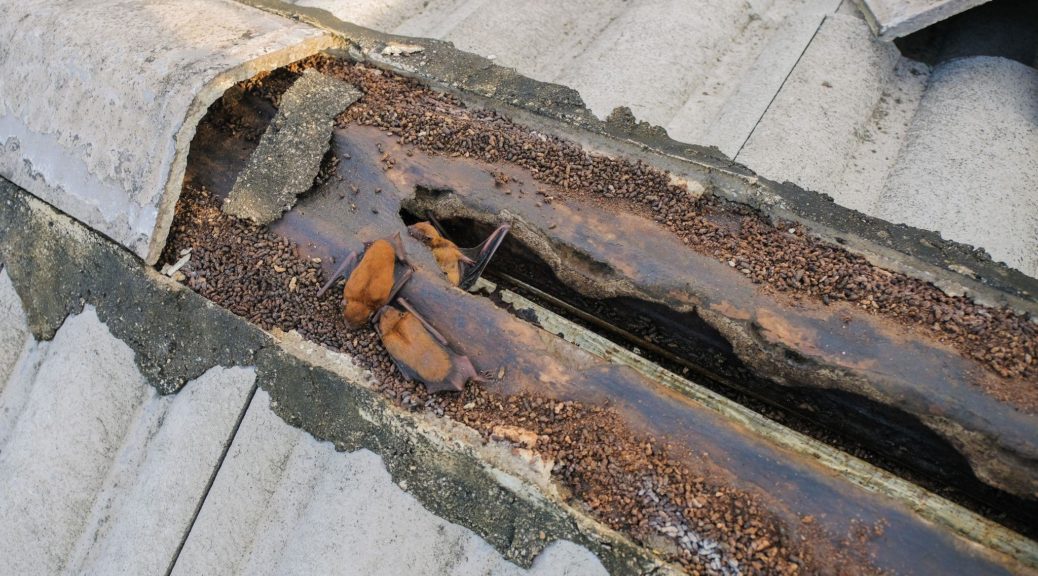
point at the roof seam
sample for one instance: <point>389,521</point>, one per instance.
<point>212,478</point>
<point>779,90</point>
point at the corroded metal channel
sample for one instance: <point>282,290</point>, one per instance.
<point>927,504</point>
<point>807,345</point>
<point>888,437</point>
<point>795,478</point>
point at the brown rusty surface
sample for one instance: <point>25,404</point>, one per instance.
<point>362,203</point>
<point>604,253</point>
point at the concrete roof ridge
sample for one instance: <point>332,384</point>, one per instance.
<point>969,166</point>
<point>140,76</point>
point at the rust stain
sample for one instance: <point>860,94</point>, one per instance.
<point>806,341</point>
<point>728,309</point>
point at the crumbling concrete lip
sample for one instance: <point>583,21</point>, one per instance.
<point>289,155</point>
<point>139,78</point>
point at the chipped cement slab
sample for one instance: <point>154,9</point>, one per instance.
<point>890,19</point>
<point>101,99</point>
<point>978,117</point>
<point>740,112</point>
<point>115,490</point>
<point>289,154</point>
<point>285,503</point>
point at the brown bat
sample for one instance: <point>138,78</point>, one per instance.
<point>462,266</point>
<point>420,352</point>
<point>371,279</point>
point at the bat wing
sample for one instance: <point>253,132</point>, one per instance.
<point>344,270</point>
<point>481,255</point>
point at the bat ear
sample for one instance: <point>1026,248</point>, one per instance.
<point>398,247</point>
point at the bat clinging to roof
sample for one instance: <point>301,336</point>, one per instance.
<point>371,279</point>
<point>420,352</point>
<point>462,266</point>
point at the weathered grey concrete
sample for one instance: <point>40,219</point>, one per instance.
<point>892,19</point>
<point>289,154</point>
<point>817,120</point>
<point>100,99</point>
<point>879,139</point>
<point>729,128</point>
<point>643,49</point>
<point>62,444</point>
<point>14,328</point>
<point>537,37</point>
<point>285,503</point>
<point>100,474</point>
<point>970,165</point>
<point>20,357</point>
<point>161,475</point>
<point>675,63</point>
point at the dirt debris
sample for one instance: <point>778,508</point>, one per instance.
<point>630,483</point>
<point>782,257</point>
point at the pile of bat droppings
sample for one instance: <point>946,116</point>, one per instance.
<point>631,483</point>
<point>780,256</point>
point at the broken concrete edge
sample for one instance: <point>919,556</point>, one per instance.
<point>58,267</point>
<point>212,92</point>
<point>98,117</point>
<point>956,268</point>
<point>299,136</point>
<point>888,26</point>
